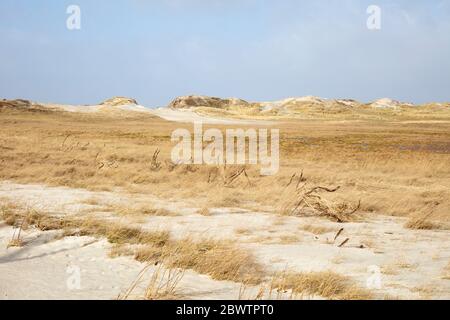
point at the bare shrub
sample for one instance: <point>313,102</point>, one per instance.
<point>307,201</point>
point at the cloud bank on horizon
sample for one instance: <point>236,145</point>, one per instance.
<point>252,49</point>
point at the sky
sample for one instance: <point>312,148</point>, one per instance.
<point>258,50</point>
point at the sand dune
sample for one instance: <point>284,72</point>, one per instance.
<point>405,256</point>
<point>93,187</point>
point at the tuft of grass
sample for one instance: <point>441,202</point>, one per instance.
<point>92,201</point>
<point>325,284</point>
<point>243,231</point>
<point>315,229</point>
<point>15,242</point>
<point>390,269</point>
<point>119,234</point>
<point>121,250</point>
<point>7,210</point>
<point>288,239</point>
<point>141,209</point>
<point>204,212</point>
<point>446,274</point>
<point>422,222</point>
<point>221,260</point>
<point>26,218</point>
<point>163,284</point>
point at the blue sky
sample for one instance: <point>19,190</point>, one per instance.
<point>253,49</point>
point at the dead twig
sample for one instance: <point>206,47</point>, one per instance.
<point>300,180</point>
<point>309,201</point>
<point>292,179</point>
<point>338,234</point>
<point>316,189</point>
<point>344,243</point>
<point>155,164</point>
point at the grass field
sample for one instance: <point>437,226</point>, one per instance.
<point>390,167</point>
<point>394,168</point>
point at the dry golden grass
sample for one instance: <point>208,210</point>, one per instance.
<point>291,285</point>
<point>163,284</point>
<point>24,218</point>
<point>288,239</point>
<point>331,111</point>
<point>221,260</point>
<point>425,292</point>
<point>204,212</point>
<point>422,222</point>
<point>84,226</point>
<point>446,273</point>
<point>93,201</point>
<point>138,210</point>
<point>326,284</point>
<point>243,231</point>
<point>392,164</point>
<point>390,269</point>
<point>15,242</point>
<point>394,167</point>
<point>316,229</point>
<point>121,250</point>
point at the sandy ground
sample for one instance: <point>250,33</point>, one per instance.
<point>94,108</point>
<point>409,263</point>
<point>79,268</point>
<point>187,115</point>
<point>181,115</point>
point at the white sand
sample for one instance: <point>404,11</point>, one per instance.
<point>189,116</point>
<point>411,262</point>
<point>45,268</point>
<point>174,115</point>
